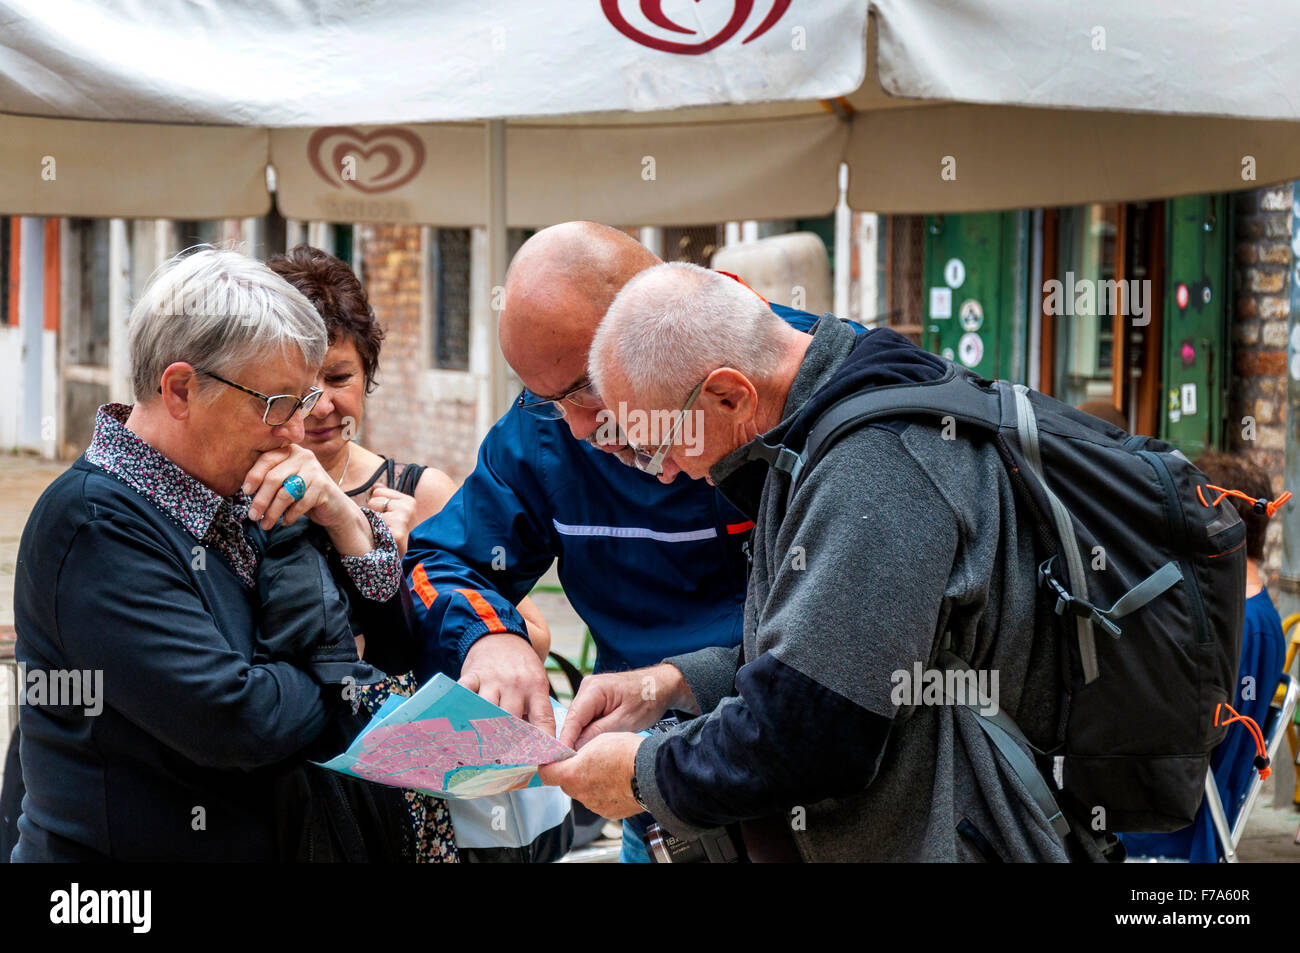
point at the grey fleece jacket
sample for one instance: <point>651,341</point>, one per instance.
<point>895,538</point>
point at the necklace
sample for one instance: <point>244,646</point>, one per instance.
<point>347,463</point>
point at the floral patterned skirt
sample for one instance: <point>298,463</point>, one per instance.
<point>434,843</point>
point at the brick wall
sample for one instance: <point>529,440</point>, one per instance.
<point>405,416</point>
<point>1262,240</point>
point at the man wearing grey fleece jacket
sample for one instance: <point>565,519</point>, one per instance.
<point>903,539</point>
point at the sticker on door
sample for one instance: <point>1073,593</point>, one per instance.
<point>954,272</point>
<point>970,349</point>
<point>940,303</point>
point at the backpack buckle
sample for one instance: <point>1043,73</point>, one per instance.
<point>1066,600</point>
<point>1046,578</point>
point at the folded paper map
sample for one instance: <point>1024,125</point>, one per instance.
<point>447,741</point>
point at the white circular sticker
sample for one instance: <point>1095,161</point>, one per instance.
<point>954,272</point>
<point>972,315</point>
<point>971,349</point>
<point>948,355</point>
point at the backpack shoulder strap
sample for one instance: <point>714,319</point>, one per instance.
<point>1006,736</point>
<point>955,394</point>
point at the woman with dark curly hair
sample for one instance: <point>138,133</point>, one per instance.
<point>403,494</point>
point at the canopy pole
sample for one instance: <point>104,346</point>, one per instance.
<point>120,389</point>
<point>1034,368</point>
<point>843,246</point>
<point>30,320</point>
<point>868,256</point>
<point>499,384</point>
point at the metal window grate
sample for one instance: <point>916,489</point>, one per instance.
<point>86,333</point>
<point>695,244</point>
<point>451,276</point>
<point>343,244</point>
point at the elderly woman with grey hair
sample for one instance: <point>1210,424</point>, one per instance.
<point>137,582</point>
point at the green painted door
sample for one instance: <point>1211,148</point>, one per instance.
<point>976,291</point>
<point>1196,359</point>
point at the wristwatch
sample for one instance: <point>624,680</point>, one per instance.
<point>636,793</point>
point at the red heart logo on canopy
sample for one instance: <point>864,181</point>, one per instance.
<point>401,150</point>
<point>653,11</point>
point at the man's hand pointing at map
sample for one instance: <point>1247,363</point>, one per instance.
<point>504,669</point>
<point>600,775</point>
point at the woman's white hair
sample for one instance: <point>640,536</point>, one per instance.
<point>218,310</point>
<point>674,324</point>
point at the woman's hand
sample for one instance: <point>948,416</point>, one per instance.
<point>323,501</point>
<point>539,632</point>
<point>397,510</point>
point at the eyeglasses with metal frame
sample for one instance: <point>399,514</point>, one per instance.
<point>280,408</point>
<point>552,408</point>
<point>653,463</point>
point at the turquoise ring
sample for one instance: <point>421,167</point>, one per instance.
<point>295,486</point>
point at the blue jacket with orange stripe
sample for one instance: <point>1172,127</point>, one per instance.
<point>654,570</point>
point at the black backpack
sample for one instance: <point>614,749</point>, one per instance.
<point>1151,641</point>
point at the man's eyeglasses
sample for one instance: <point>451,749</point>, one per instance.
<point>653,463</point>
<point>280,408</point>
<point>552,408</point>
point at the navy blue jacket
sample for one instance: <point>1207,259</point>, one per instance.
<point>179,763</point>
<point>654,570</point>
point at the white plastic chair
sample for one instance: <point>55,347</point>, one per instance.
<point>1274,728</point>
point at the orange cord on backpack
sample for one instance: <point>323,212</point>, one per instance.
<point>1261,505</point>
<point>1261,759</point>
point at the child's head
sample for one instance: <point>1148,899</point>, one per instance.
<point>1234,473</point>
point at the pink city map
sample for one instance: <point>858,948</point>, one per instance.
<point>495,755</point>
<point>448,741</point>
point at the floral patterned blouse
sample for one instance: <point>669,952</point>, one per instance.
<point>217,521</point>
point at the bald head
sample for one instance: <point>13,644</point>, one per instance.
<point>560,283</point>
<point>673,324</point>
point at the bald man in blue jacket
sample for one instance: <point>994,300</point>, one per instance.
<point>654,569</point>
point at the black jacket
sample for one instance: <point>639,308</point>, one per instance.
<point>181,762</point>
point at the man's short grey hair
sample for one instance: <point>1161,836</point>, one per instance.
<point>674,324</point>
<point>218,310</point>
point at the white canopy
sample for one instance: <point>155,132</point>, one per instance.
<point>635,111</point>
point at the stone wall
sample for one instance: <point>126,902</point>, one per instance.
<point>407,417</point>
<point>1257,392</point>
